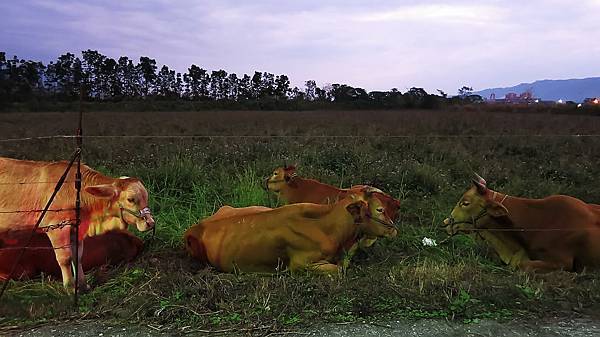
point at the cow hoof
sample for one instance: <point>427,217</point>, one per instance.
<point>84,288</point>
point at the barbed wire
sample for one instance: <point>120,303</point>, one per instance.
<point>502,135</point>
<point>34,248</point>
<point>37,210</point>
<point>34,182</point>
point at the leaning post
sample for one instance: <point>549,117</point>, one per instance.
<point>78,197</point>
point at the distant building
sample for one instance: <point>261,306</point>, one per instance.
<point>514,98</point>
<point>592,101</point>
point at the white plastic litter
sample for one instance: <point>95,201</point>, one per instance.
<point>429,242</point>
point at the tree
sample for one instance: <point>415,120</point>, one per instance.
<point>147,75</point>
<point>128,76</point>
<point>166,83</point>
<point>465,91</point>
<point>92,66</point>
<point>218,89</point>
<point>311,90</point>
<point>282,87</point>
<point>256,85</point>
<point>198,82</point>
<point>232,85</point>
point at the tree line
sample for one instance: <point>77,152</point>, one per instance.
<point>106,80</point>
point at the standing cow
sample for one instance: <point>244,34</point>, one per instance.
<point>106,203</point>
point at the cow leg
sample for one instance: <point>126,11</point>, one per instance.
<point>80,274</point>
<point>367,242</point>
<point>540,266</point>
<point>60,239</point>
<point>325,267</point>
<point>304,261</point>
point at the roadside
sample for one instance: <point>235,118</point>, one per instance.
<point>552,327</point>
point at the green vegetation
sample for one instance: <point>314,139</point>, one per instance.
<point>190,178</point>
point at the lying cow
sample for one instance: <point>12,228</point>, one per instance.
<point>110,248</point>
<point>291,189</point>
<point>106,203</point>
<point>299,236</point>
<point>557,232</point>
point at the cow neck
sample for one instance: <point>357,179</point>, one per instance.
<point>95,210</point>
<point>506,246</point>
<point>339,223</point>
<point>515,206</point>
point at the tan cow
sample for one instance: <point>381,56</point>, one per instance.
<point>298,236</point>
<point>106,203</point>
<point>557,232</point>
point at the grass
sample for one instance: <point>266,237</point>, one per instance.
<point>190,178</point>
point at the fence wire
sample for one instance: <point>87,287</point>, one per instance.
<point>441,136</point>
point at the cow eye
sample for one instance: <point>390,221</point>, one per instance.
<point>131,200</point>
<point>466,203</point>
<point>380,210</point>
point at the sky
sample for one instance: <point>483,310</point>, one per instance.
<point>373,44</point>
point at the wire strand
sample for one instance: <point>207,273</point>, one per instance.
<point>441,136</point>
<point>37,211</point>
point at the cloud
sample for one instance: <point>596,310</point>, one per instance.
<point>377,44</point>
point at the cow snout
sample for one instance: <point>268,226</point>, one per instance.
<point>448,222</point>
<point>149,220</point>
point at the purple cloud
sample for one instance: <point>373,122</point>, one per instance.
<point>375,45</point>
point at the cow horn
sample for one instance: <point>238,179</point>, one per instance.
<point>480,183</point>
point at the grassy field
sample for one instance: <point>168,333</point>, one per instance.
<point>428,169</point>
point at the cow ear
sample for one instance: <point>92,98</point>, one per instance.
<point>497,210</point>
<point>356,209</point>
<point>106,191</point>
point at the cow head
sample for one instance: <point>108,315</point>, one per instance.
<point>369,214</point>
<point>391,205</point>
<point>281,177</point>
<point>474,209</point>
<point>128,205</point>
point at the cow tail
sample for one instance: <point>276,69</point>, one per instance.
<point>196,248</point>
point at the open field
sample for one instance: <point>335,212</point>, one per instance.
<point>428,168</point>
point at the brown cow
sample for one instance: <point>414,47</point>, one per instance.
<point>557,232</point>
<point>110,248</point>
<point>298,236</point>
<point>106,203</point>
<point>291,189</point>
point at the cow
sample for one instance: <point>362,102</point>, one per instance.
<point>228,211</point>
<point>291,188</point>
<point>106,203</point>
<point>302,236</point>
<point>558,232</point>
<point>110,248</point>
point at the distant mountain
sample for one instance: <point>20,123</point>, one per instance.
<point>568,90</point>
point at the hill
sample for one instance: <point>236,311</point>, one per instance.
<point>567,90</point>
